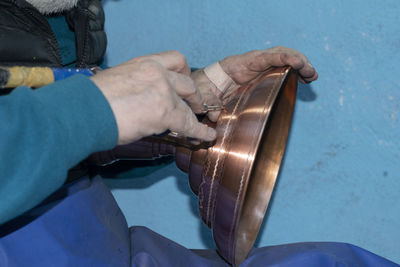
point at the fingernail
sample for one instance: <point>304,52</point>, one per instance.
<point>309,64</point>
<point>212,134</point>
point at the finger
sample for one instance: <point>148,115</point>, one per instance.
<point>183,121</point>
<point>313,78</point>
<point>186,89</point>
<point>265,60</point>
<point>173,61</point>
<point>298,62</point>
<point>214,115</point>
<point>293,58</point>
<point>307,70</point>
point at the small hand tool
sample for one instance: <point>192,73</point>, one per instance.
<point>11,77</point>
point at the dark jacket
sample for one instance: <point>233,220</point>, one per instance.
<point>26,37</point>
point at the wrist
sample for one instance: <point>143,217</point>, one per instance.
<point>203,82</point>
<point>220,78</point>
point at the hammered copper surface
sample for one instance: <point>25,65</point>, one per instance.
<point>234,179</point>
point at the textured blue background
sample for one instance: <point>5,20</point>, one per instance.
<point>340,180</point>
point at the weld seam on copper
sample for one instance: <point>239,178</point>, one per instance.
<point>222,165</point>
<point>220,150</point>
<point>240,191</point>
<point>224,145</point>
<point>203,177</point>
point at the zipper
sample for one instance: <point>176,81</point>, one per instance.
<point>83,56</point>
<point>53,38</point>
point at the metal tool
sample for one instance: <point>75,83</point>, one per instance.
<point>11,77</point>
<point>188,142</point>
<point>208,108</point>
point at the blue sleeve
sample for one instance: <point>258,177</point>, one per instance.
<point>45,132</point>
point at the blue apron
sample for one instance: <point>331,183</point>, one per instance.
<point>82,225</point>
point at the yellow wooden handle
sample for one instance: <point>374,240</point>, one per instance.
<point>29,76</point>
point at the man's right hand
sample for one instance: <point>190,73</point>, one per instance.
<point>146,95</point>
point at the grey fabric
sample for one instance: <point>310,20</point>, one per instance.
<point>52,6</point>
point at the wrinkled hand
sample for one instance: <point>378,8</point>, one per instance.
<point>146,95</point>
<point>246,67</point>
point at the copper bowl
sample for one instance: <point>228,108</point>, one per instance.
<point>235,178</point>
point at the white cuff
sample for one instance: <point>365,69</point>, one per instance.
<point>218,77</point>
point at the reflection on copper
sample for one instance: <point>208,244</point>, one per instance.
<point>217,149</point>
<point>253,110</point>
<point>236,154</point>
<point>234,179</point>
<point>275,74</point>
<point>227,117</point>
<point>242,155</point>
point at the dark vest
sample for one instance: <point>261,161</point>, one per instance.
<point>27,39</point>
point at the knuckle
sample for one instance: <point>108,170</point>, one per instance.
<point>178,55</point>
<point>151,69</point>
<point>181,59</point>
<point>143,59</point>
<point>284,57</point>
<point>149,63</point>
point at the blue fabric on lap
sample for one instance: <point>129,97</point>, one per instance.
<point>84,226</point>
<point>152,250</point>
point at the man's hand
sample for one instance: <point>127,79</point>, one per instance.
<point>246,67</point>
<point>146,95</point>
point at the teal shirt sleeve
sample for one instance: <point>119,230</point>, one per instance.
<point>45,132</point>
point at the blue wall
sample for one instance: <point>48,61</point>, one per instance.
<point>341,177</point>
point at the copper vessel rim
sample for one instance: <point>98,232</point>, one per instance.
<point>281,87</point>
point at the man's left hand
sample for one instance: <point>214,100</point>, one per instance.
<point>246,67</point>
